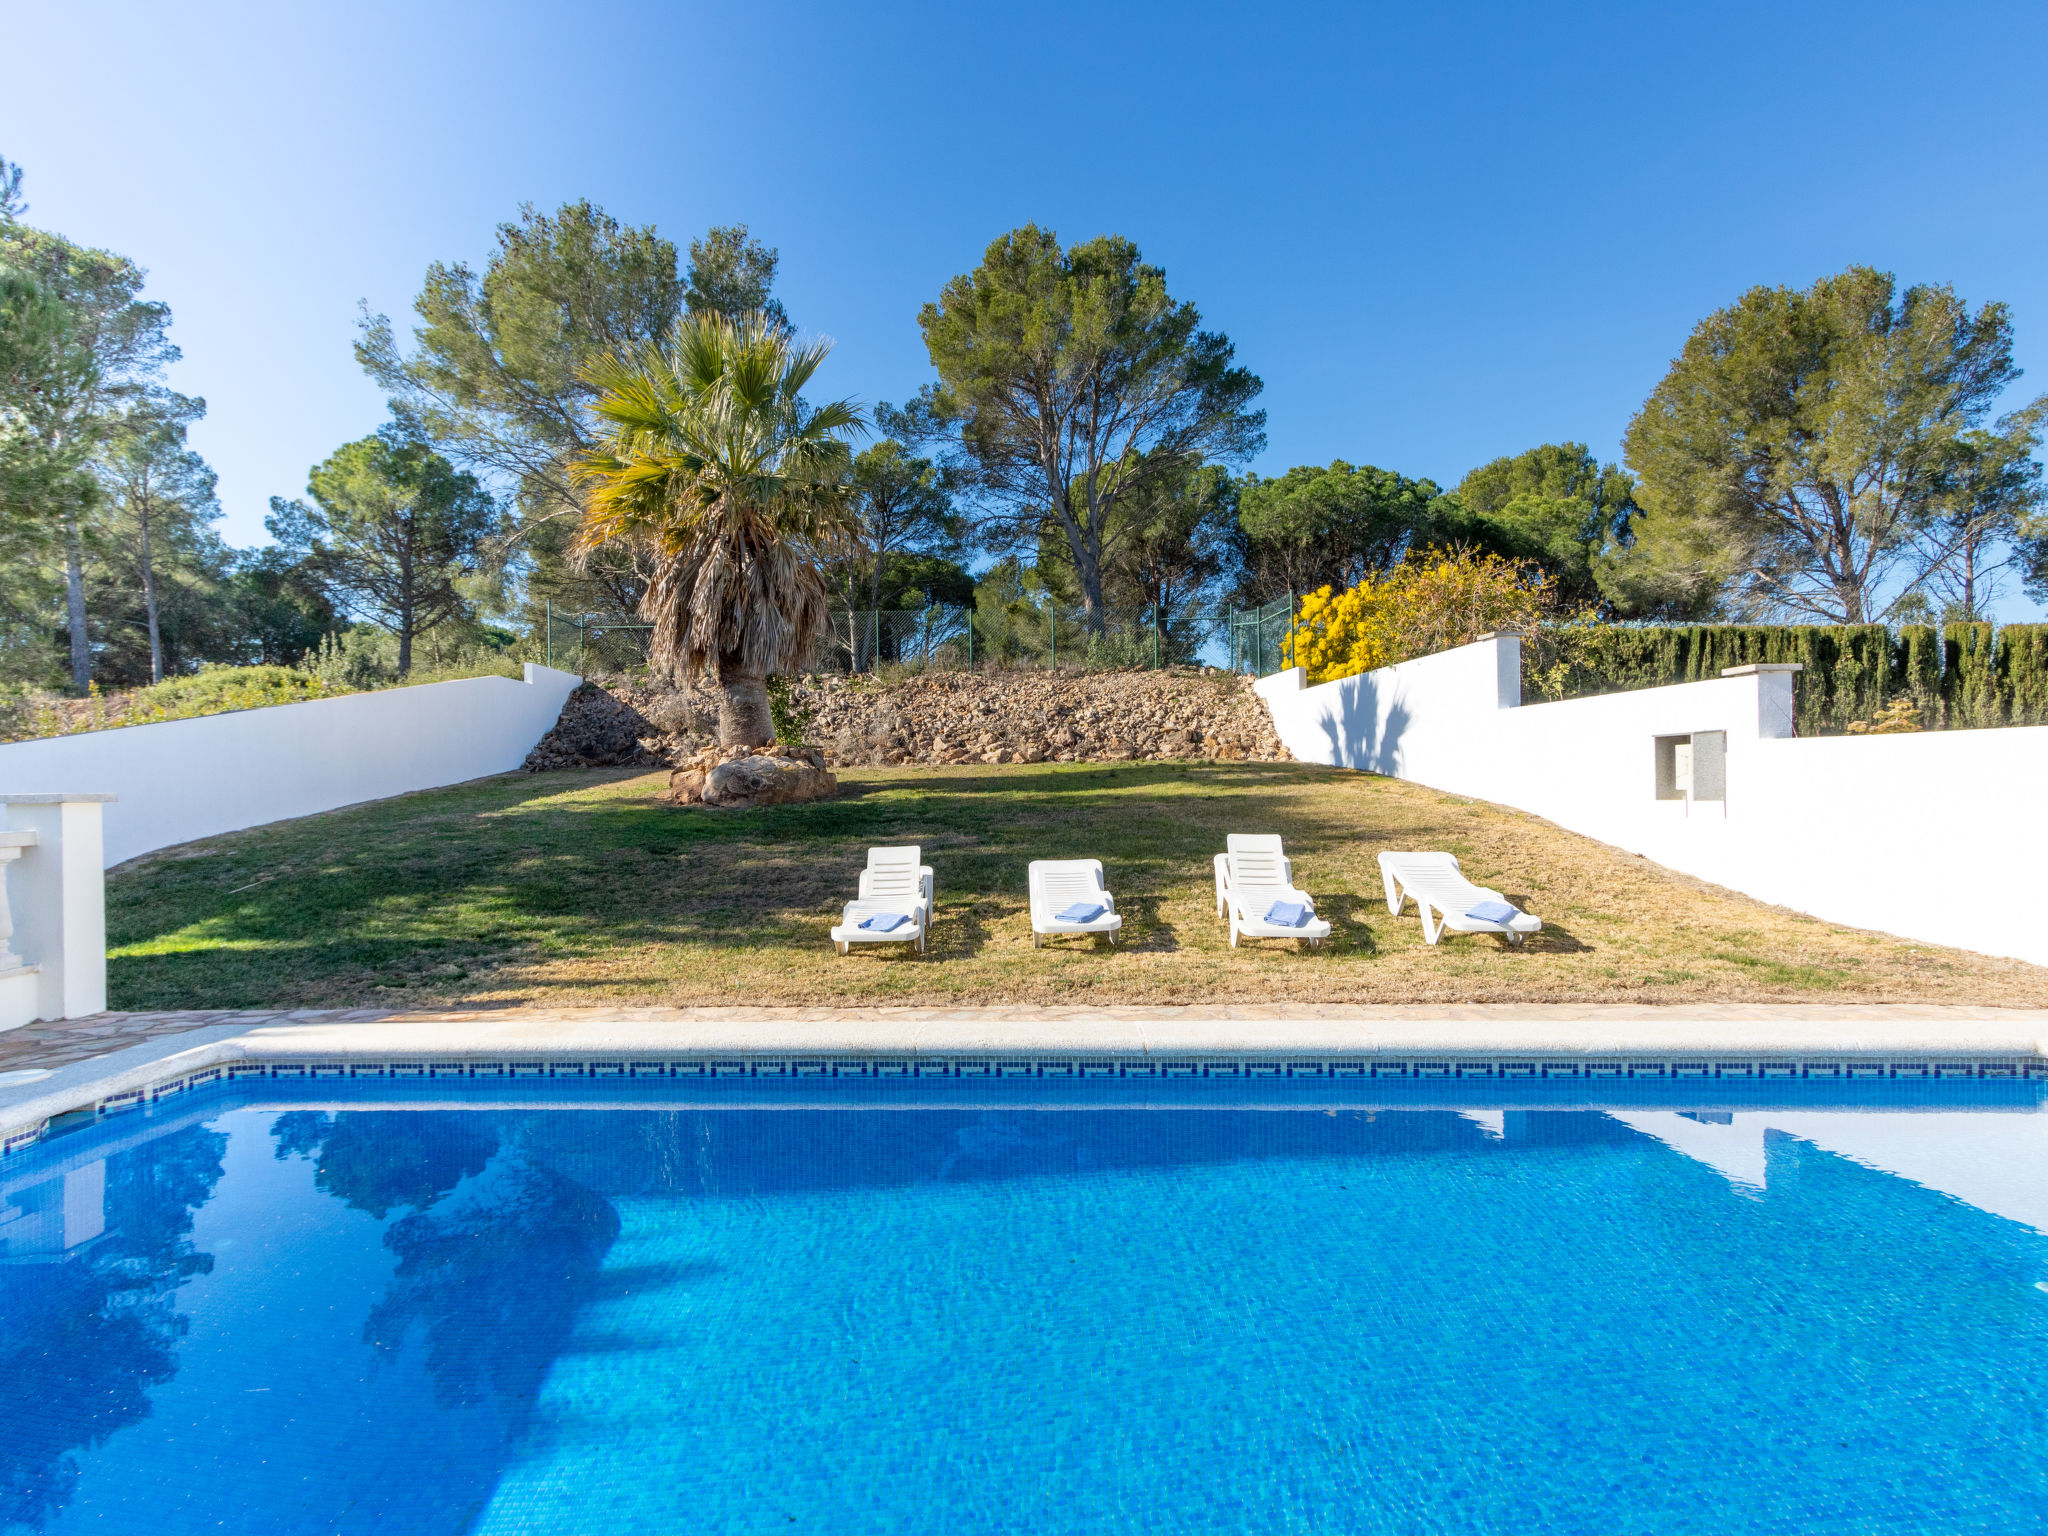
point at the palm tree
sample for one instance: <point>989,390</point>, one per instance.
<point>709,459</point>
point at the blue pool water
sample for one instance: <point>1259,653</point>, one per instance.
<point>1025,1311</point>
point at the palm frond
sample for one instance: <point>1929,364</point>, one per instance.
<point>710,459</point>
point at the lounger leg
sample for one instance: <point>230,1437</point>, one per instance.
<point>842,948</point>
<point>1394,896</point>
<point>1430,931</point>
<point>1034,941</point>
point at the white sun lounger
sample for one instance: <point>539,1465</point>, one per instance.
<point>1434,880</point>
<point>894,881</point>
<point>1250,877</point>
<point>1057,884</point>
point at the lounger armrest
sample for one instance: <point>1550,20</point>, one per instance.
<point>926,882</point>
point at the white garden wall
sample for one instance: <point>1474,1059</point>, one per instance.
<point>186,779</point>
<point>1940,836</point>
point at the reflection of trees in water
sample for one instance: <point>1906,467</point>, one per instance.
<point>378,1160</point>
<point>494,1257</point>
<point>495,1272</point>
<point>83,1339</point>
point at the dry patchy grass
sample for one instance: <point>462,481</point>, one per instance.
<point>579,888</point>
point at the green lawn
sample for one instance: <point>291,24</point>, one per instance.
<point>581,888</point>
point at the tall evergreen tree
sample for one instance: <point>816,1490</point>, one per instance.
<point>161,496</point>
<point>116,348</point>
<point>393,530</point>
<point>1073,378</point>
<point>1800,448</point>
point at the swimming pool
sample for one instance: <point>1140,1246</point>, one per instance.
<point>332,1307</point>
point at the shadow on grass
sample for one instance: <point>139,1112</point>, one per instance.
<point>1553,940</point>
<point>1145,931</point>
<point>1350,933</point>
<point>431,893</point>
<point>957,932</point>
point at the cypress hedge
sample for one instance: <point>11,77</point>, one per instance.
<point>1916,670</point>
<point>1969,681</point>
<point>1965,676</point>
<point>2022,671</point>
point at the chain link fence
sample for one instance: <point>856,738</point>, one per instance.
<point>588,642</point>
<point>937,638</point>
<point>1258,636</point>
<point>861,639</point>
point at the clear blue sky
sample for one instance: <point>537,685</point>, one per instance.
<point>1439,233</point>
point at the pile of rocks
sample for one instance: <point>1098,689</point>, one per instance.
<point>621,724</point>
<point>936,717</point>
<point>1030,717</point>
<point>737,776</point>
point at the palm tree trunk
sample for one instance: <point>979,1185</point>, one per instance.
<point>743,717</point>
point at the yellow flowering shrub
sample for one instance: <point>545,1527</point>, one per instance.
<point>1431,602</point>
<point>1339,634</point>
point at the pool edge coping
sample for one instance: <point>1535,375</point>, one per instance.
<point>1960,1043</point>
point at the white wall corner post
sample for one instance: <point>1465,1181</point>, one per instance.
<point>56,897</point>
<point>1773,695</point>
<point>1507,667</point>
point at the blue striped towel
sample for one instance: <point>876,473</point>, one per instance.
<point>1287,914</point>
<point>1493,912</point>
<point>1079,912</point>
<point>884,922</point>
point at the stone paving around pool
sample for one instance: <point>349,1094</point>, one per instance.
<point>1551,1027</point>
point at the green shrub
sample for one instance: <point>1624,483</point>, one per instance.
<point>1846,672</point>
<point>1969,679</point>
<point>217,690</point>
<point>791,716</point>
<point>1916,669</point>
<point>2022,674</point>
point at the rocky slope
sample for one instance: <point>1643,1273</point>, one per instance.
<point>937,717</point>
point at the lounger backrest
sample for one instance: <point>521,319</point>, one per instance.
<point>1424,873</point>
<point>1056,883</point>
<point>1256,861</point>
<point>894,872</point>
